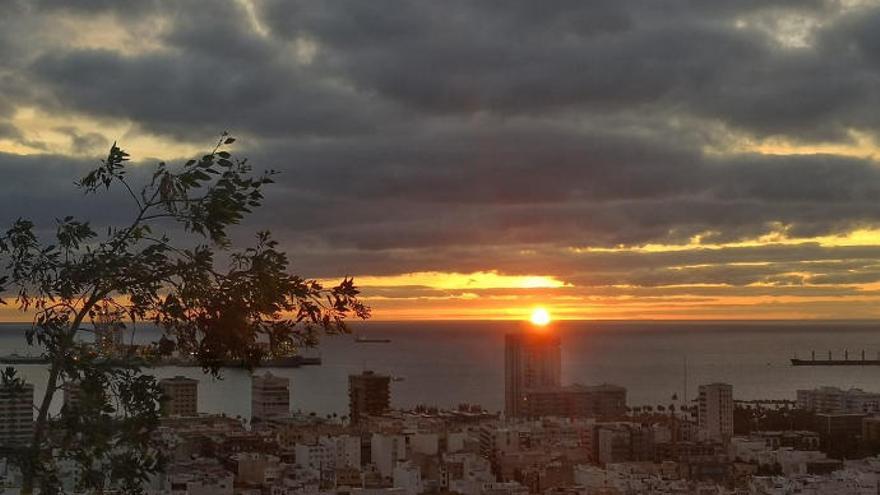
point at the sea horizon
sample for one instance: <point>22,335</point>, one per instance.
<point>443,363</point>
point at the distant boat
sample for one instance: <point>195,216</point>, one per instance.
<point>846,361</point>
<point>835,362</point>
<point>359,339</point>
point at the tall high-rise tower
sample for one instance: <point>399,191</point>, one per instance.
<point>16,414</point>
<point>716,411</point>
<point>369,394</point>
<point>270,397</point>
<point>181,396</point>
<point>531,360</point>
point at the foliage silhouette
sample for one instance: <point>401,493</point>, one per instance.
<point>240,307</point>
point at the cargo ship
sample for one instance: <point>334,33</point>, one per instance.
<point>835,362</point>
<point>846,361</point>
<point>360,339</point>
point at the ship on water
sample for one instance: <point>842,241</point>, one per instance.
<point>360,339</point>
<point>831,361</point>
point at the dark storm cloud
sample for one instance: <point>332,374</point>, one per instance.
<point>8,130</point>
<point>451,136</point>
<point>516,57</point>
<point>215,72</point>
<point>42,188</point>
<point>568,264</point>
<point>189,96</point>
<point>551,185</point>
<point>85,143</point>
<point>91,6</point>
<point>461,57</point>
<point>508,57</point>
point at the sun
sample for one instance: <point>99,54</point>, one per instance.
<point>540,317</point>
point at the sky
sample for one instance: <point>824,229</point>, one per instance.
<point>643,159</point>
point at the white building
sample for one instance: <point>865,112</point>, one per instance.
<point>330,452</point>
<point>832,400</point>
<point>797,461</point>
<point>270,397</point>
<point>386,450</point>
<point>319,457</point>
<point>407,476</point>
<point>716,411</point>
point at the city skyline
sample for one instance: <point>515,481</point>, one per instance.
<point>573,439</point>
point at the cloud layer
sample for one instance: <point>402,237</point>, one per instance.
<point>689,159</point>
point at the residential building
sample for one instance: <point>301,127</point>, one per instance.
<point>622,442</point>
<point>320,456</point>
<point>833,400</point>
<point>181,396</point>
<point>407,476</point>
<point>250,468</point>
<point>16,413</point>
<point>386,450</point>
<point>270,397</point>
<point>840,433</point>
<point>715,413</point>
<point>576,401</point>
<point>531,360</point>
<point>368,394</point>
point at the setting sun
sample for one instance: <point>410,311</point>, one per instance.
<point>540,317</point>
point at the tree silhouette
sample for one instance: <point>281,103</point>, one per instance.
<point>213,303</point>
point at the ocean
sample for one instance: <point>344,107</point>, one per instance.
<point>448,363</point>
